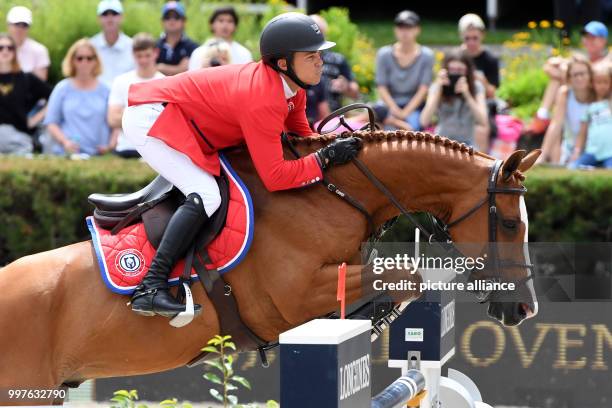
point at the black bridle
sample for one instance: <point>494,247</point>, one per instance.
<point>440,233</point>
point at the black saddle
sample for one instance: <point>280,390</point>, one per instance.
<point>154,206</point>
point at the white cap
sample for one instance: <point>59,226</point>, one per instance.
<point>113,5</point>
<point>471,21</point>
<point>19,14</point>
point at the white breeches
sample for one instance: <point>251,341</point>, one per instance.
<point>174,166</point>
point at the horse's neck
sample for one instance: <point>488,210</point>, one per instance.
<point>424,176</point>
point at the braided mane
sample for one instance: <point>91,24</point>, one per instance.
<point>386,136</point>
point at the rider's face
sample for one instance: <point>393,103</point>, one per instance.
<point>308,66</point>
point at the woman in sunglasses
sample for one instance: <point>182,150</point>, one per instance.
<point>76,116</point>
<point>19,92</point>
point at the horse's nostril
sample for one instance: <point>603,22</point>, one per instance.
<point>526,310</point>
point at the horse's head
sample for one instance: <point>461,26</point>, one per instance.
<point>496,214</point>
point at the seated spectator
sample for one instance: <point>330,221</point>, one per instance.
<point>223,24</point>
<point>212,53</point>
<point>403,74</point>
<point>571,103</point>
<point>596,125</point>
<point>76,115</point>
<point>472,31</point>
<point>145,54</point>
<point>32,56</point>
<point>457,99</point>
<point>595,43</point>
<point>113,46</point>
<point>175,47</point>
<point>337,74</point>
<point>317,106</point>
<point>19,92</point>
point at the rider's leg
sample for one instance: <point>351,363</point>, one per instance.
<point>202,200</point>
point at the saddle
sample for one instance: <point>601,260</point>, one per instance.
<point>148,211</point>
<point>154,205</point>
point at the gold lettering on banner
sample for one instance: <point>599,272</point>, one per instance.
<point>527,357</point>
<point>601,333</point>
<point>565,343</point>
<point>500,343</point>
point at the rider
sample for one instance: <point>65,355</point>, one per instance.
<point>179,123</point>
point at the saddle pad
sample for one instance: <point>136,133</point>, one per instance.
<point>124,258</point>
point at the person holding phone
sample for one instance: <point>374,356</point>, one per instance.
<point>458,100</point>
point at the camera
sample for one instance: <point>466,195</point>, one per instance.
<point>449,90</point>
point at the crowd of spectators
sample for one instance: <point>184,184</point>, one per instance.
<point>81,115</point>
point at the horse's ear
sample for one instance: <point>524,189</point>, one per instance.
<point>512,163</point>
<point>529,160</point>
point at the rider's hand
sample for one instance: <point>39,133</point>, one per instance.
<point>339,151</point>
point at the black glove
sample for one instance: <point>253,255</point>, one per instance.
<point>339,151</point>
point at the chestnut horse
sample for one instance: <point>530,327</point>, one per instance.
<point>60,323</point>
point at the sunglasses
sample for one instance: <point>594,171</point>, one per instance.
<point>172,16</point>
<point>7,47</point>
<point>468,38</point>
<point>22,25</point>
<point>110,13</point>
<point>83,57</point>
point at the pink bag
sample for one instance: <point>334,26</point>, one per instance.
<point>509,128</point>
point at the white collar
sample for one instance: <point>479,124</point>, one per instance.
<point>288,92</point>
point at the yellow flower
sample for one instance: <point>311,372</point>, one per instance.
<point>567,41</point>
<point>356,68</point>
<point>364,90</point>
<point>521,36</point>
<point>439,55</point>
<point>555,52</point>
<point>536,46</point>
<point>532,24</point>
<point>558,24</point>
<point>545,24</point>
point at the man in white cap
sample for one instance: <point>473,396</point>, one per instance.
<point>114,47</point>
<point>32,56</point>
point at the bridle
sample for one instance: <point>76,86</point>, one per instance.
<point>440,233</point>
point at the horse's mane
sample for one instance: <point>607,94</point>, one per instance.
<point>386,136</point>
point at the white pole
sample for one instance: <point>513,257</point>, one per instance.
<point>492,13</point>
<point>302,4</point>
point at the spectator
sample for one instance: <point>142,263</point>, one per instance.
<point>175,47</point>
<point>113,46</point>
<point>317,105</point>
<point>19,92</point>
<point>145,54</point>
<point>32,56</point>
<point>403,74</point>
<point>76,115</point>
<point>337,75</point>
<point>596,125</point>
<point>571,103</point>
<point>212,53</point>
<point>223,24</point>
<point>594,41</point>
<point>472,31</point>
<point>458,99</point>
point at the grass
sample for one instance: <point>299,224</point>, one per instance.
<point>432,32</point>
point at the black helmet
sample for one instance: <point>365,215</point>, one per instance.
<point>289,33</point>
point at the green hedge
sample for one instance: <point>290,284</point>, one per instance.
<point>44,202</point>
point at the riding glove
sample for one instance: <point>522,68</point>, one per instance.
<point>339,151</point>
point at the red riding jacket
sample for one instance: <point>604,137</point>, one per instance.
<point>214,108</point>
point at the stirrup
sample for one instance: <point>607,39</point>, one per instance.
<point>186,317</point>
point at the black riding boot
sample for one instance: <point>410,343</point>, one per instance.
<point>152,296</point>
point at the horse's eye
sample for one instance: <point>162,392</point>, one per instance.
<point>510,224</point>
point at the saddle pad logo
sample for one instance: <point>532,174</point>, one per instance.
<point>130,262</point>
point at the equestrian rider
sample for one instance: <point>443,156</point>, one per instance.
<point>179,123</point>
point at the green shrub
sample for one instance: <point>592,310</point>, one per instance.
<point>44,202</point>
